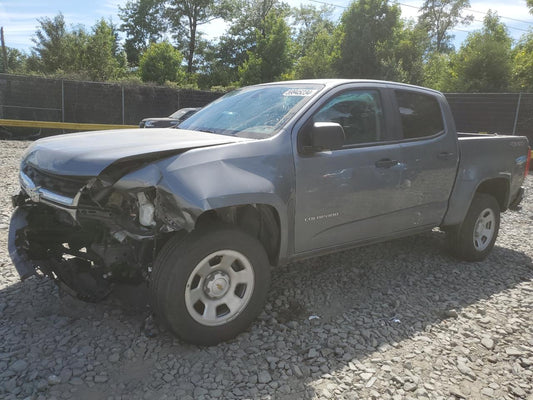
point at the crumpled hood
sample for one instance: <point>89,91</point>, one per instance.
<point>89,153</point>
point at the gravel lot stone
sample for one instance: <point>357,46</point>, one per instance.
<point>398,320</point>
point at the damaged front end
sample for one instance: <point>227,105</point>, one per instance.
<point>88,232</point>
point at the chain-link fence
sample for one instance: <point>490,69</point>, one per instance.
<point>504,113</point>
<point>41,99</point>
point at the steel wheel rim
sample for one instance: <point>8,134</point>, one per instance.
<point>484,229</point>
<point>219,288</point>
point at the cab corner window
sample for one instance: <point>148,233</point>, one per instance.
<point>360,114</point>
<point>420,114</point>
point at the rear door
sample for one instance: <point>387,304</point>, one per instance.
<point>429,153</point>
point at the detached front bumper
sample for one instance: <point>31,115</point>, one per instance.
<point>17,243</point>
<point>35,243</point>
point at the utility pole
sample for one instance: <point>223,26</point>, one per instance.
<point>4,50</point>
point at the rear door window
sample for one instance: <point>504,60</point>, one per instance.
<point>420,114</point>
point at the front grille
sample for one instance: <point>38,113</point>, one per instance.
<point>64,185</point>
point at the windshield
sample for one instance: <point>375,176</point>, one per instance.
<point>254,112</point>
<point>183,113</point>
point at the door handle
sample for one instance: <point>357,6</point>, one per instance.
<point>386,163</point>
<point>445,155</point>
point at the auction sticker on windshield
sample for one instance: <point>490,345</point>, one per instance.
<point>300,92</point>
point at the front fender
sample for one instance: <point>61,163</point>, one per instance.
<point>194,192</point>
<point>189,184</point>
<point>184,194</point>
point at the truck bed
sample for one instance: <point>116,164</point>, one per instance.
<point>483,157</point>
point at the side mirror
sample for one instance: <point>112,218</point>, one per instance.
<point>326,136</point>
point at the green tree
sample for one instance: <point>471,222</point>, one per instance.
<point>160,63</point>
<point>315,42</point>
<point>16,61</point>
<point>101,61</point>
<point>185,17</point>
<point>241,35</point>
<point>58,50</point>
<point>75,44</point>
<point>51,45</point>
<point>403,55</point>
<point>76,52</point>
<point>483,64</point>
<point>143,24</point>
<point>438,17</point>
<point>308,22</point>
<point>271,57</point>
<point>231,52</point>
<point>319,58</point>
<point>522,71</point>
<point>212,71</point>
<point>367,34</point>
<point>437,72</point>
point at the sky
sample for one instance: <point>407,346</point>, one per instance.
<point>19,17</point>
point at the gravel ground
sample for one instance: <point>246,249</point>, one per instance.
<point>400,320</point>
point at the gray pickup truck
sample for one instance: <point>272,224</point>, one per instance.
<point>263,176</point>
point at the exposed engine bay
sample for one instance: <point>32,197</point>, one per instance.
<point>110,234</point>
<point>87,233</point>
<point>97,212</point>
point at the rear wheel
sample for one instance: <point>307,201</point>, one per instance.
<point>210,285</point>
<point>475,237</point>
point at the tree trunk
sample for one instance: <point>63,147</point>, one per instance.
<point>192,44</point>
<point>4,51</point>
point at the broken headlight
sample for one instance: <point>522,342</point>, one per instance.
<point>146,210</point>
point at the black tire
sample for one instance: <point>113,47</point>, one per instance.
<point>210,285</point>
<point>474,239</point>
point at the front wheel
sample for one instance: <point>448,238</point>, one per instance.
<point>210,285</point>
<point>475,237</point>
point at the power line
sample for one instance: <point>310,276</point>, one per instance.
<point>501,16</point>
<point>460,30</point>
<point>510,27</point>
<point>328,4</point>
<point>409,5</point>
<point>484,13</point>
<point>469,9</point>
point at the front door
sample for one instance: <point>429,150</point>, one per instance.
<point>349,194</point>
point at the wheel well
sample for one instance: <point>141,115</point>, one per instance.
<point>258,220</point>
<point>498,188</point>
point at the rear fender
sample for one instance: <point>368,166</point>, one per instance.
<point>467,187</point>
